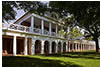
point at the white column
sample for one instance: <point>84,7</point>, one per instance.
<point>33,47</point>
<point>56,30</point>
<point>42,26</point>
<point>50,28</point>
<point>50,47</point>
<point>61,47</point>
<point>56,47</point>
<point>42,47</point>
<point>66,47</point>
<point>14,46</point>
<point>25,46</point>
<point>32,24</point>
<point>75,46</point>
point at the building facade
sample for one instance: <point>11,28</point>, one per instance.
<point>34,34</point>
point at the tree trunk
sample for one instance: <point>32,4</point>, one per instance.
<point>97,45</point>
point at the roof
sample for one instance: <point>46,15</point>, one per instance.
<point>39,15</point>
<point>21,17</point>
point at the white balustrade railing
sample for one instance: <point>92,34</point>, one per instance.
<point>46,32</point>
<point>53,34</point>
<point>4,25</point>
<point>37,30</point>
<point>19,27</point>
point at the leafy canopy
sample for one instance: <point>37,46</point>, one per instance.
<point>74,32</point>
<point>8,12</point>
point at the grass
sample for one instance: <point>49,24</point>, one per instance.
<point>76,59</point>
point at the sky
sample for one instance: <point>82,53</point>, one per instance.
<point>21,12</point>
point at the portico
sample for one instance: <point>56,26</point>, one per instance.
<point>34,34</point>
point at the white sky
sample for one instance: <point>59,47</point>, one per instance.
<point>21,13</point>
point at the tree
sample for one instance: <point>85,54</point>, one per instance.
<point>73,33</point>
<point>86,15</point>
<point>8,12</point>
<point>62,32</point>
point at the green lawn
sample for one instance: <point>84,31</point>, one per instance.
<point>78,59</point>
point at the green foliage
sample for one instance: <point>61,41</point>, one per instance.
<point>86,15</point>
<point>74,32</point>
<point>89,38</point>
<point>63,33</point>
<point>8,12</point>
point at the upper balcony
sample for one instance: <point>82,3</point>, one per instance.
<point>36,25</point>
<point>21,28</point>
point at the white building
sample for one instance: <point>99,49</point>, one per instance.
<point>33,34</point>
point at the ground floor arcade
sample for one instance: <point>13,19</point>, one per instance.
<point>15,45</point>
<point>75,47</point>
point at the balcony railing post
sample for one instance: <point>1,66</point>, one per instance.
<point>56,30</point>
<point>50,28</point>
<point>42,27</point>
<point>32,24</point>
<point>46,32</point>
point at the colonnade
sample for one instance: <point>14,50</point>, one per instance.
<point>43,46</point>
<point>80,47</point>
<point>51,47</point>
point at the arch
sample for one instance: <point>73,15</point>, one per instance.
<point>59,47</point>
<point>46,47</point>
<point>37,47</point>
<point>64,47</point>
<point>53,47</point>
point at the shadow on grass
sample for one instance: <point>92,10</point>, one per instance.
<point>19,61</point>
<point>87,55</point>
